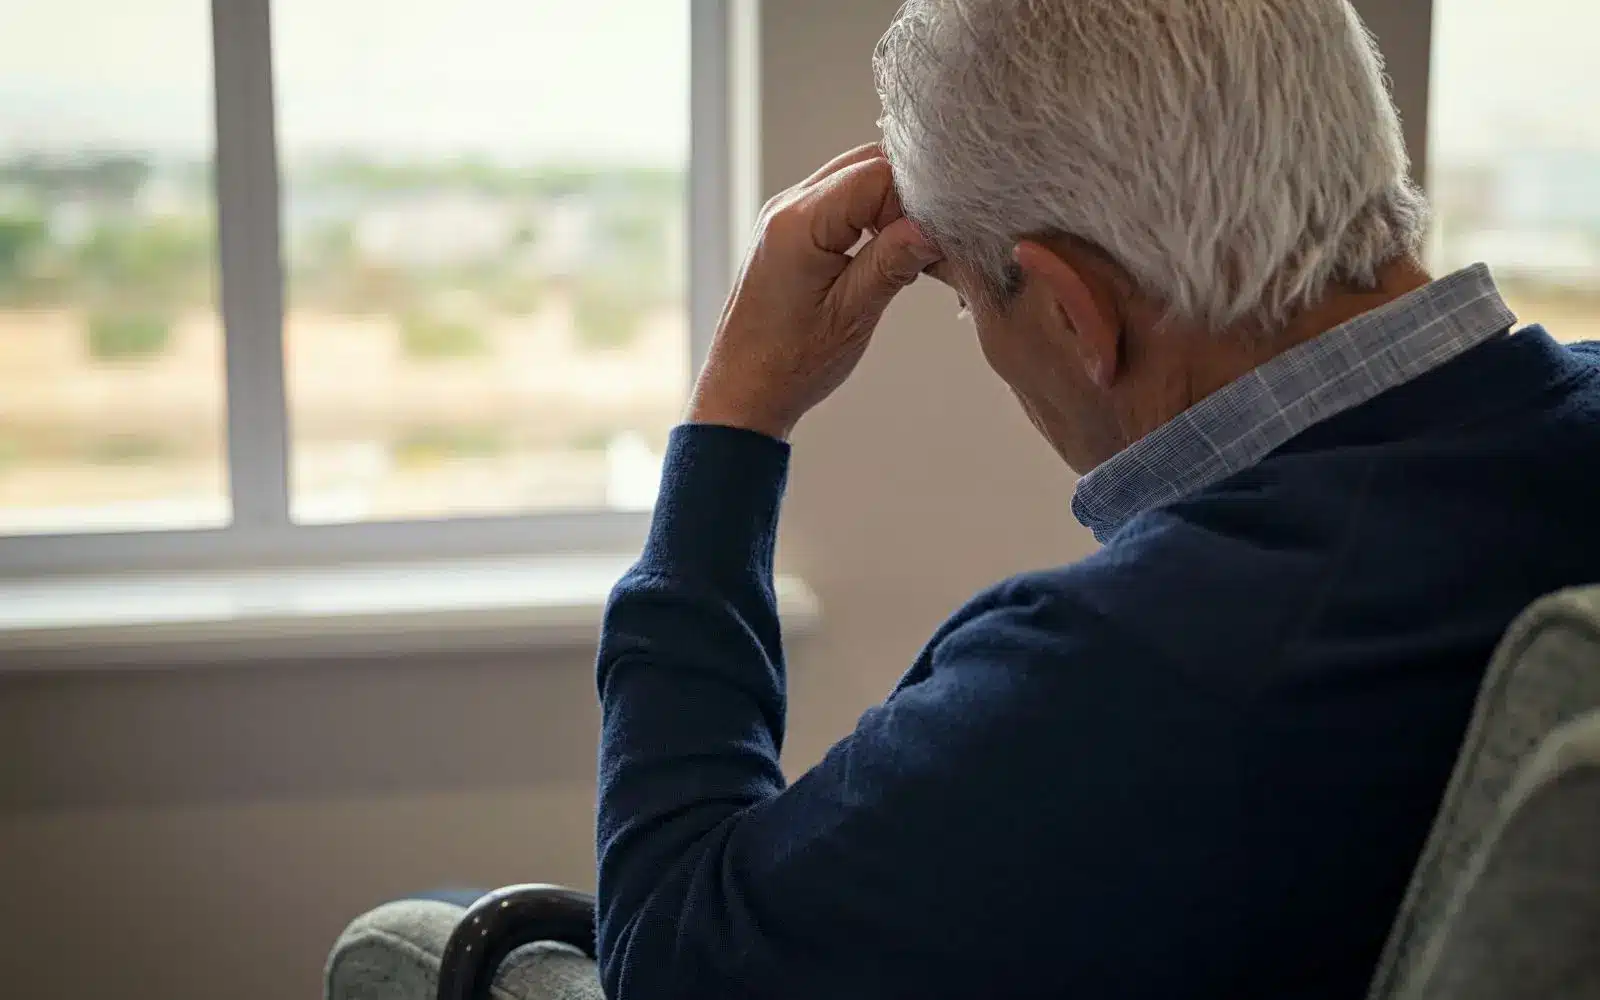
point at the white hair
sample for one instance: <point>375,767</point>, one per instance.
<point>1234,156</point>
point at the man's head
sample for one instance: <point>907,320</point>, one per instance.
<point>1140,198</point>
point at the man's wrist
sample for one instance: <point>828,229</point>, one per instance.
<point>717,513</point>
<point>716,413</point>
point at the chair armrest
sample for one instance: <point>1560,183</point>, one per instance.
<point>504,921</point>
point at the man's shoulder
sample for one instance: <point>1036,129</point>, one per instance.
<point>1587,351</point>
<point>1171,590</point>
<point>1045,616</point>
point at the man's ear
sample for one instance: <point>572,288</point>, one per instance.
<point>1087,298</point>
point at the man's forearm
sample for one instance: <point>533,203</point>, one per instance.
<point>691,665</point>
<point>690,669</point>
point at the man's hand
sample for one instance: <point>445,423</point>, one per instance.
<point>803,309</point>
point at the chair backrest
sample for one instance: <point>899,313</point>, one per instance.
<point>1528,775</point>
<point>1525,923</point>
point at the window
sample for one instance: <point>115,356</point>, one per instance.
<point>485,237</point>
<point>1514,154</point>
<point>111,412</point>
<point>393,277</point>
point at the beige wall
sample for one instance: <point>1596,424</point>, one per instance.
<point>162,835</point>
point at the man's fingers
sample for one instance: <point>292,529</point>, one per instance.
<point>885,265</point>
<point>838,163</point>
<point>943,272</point>
<point>858,198</point>
<point>890,211</point>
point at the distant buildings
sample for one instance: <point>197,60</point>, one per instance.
<point>1532,213</point>
<point>1548,189</point>
<point>441,228</point>
<point>436,230</point>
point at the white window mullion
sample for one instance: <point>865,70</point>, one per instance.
<point>711,175</point>
<point>251,269</point>
<point>744,126</point>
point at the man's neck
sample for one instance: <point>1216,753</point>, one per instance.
<point>1230,356</point>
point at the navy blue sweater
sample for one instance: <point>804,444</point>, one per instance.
<point>1199,763</point>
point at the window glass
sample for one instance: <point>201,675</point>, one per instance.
<point>484,224</point>
<point>111,373</point>
<point>1514,153</point>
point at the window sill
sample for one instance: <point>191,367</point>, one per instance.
<point>393,609</point>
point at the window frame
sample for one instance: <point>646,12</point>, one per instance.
<point>249,274</point>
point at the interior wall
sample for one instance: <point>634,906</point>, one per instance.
<point>199,834</point>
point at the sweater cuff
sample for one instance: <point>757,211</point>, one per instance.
<point>717,514</point>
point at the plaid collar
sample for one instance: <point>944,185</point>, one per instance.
<point>1240,424</point>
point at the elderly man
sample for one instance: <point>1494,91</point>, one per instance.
<point>1202,761</point>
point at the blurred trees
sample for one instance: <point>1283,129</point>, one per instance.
<point>131,244</point>
<point>22,235</point>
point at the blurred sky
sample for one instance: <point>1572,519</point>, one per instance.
<point>514,79</point>
<point>608,79</point>
<point>1514,71</point>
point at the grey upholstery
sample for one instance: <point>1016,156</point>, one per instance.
<point>393,953</point>
<point>1477,877</point>
<point>1525,922</point>
<point>1504,903</point>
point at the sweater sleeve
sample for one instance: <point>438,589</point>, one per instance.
<point>996,828</point>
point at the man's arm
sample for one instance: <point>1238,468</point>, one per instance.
<point>1031,813</point>
<point>690,673</point>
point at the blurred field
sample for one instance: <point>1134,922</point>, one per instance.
<point>1568,318</point>
<point>531,420</point>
